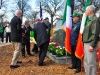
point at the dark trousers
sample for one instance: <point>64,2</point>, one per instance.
<point>43,51</point>
<point>27,44</point>
<point>8,36</point>
<point>76,62</point>
<point>35,49</point>
<point>2,37</point>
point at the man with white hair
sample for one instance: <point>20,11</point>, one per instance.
<point>16,37</point>
<point>90,39</point>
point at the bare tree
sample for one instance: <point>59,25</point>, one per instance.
<point>32,16</point>
<point>52,7</point>
<point>23,6</point>
<point>2,3</point>
<point>3,9</point>
<point>79,4</point>
<point>96,3</point>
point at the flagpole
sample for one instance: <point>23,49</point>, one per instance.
<point>40,1</point>
<point>41,10</point>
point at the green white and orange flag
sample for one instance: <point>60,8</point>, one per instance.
<point>67,24</point>
<point>79,48</point>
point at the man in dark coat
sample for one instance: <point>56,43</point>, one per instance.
<point>76,62</point>
<point>42,39</point>
<point>16,37</point>
<point>26,39</point>
<point>46,21</point>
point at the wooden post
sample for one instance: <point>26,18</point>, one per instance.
<point>41,2</point>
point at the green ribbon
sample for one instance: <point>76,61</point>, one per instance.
<point>32,33</point>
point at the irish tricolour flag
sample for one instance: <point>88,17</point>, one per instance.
<point>79,48</point>
<point>67,24</point>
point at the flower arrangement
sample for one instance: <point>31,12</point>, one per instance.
<point>55,49</point>
<point>60,52</point>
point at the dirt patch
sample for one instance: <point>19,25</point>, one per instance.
<point>29,65</point>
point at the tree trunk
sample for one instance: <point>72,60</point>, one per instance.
<point>2,20</point>
<point>52,20</point>
<point>72,5</point>
<point>22,11</point>
<point>22,15</point>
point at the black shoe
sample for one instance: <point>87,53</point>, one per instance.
<point>77,71</point>
<point>30,54</point>
<point>41,64</point>
<point>71,67</point>
<point>19,61</point>
<point>14,66</point>
<point>24,56</point>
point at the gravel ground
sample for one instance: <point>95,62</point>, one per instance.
<point>29,65</point>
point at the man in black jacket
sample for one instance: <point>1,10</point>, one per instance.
<point>46,21</point>
<point>42,39</point>
<point>26,39</point>
<point>16,37</point>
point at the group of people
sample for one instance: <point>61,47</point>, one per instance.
<point>90,40</point>
<point>5,28</point>
<point>20,37</point>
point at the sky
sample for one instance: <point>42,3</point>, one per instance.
<point>10,4</point>
<point>34,7</point>
<point>32,3</point>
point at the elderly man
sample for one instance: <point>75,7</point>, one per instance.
<point>16,37</point>
<point>26,39</point>
<point>90,39</point>
<point>76,62</point>
<point>46,21</point>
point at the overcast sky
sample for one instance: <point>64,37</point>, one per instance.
<point>11,4</point>
<point>32,3</point>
